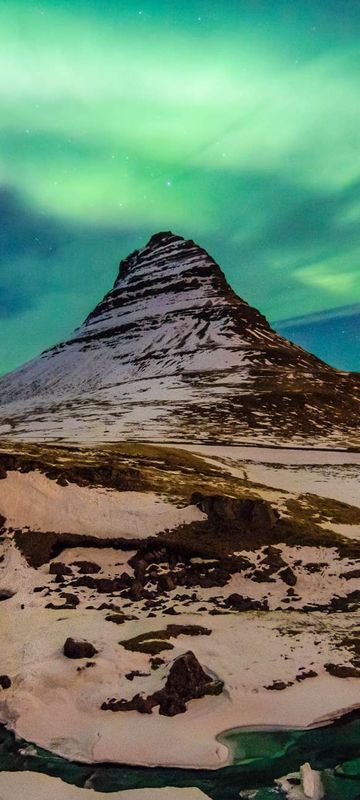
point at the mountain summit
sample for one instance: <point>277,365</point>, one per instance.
<point>171,353</point>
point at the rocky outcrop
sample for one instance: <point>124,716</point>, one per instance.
<point>113,476</point>
<point>75,648</point>
<point>186,681</point>
<point>6,594</point>
<point>288,576</point>
<point>120,618</point>
<point>254,514</point>
<point>58,568</point>
<point>237,602</point>
<point>71,601</point>
<point>39,549</point>
<point>87,567</point>
<point>144,705</point>
<point>278,686</point>
<point>342,670</point>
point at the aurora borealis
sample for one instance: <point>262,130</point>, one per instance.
<point>236,124</point>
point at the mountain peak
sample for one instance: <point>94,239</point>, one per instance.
<point>163,237</point>
<point>166,251</point>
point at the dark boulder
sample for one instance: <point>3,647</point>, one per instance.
<point>6,594</point>
<point>262,575</point>
<point>288,576</point>
<point>187,630</point>
<point>254,514</point>
<point>74,648</point>
<point>105,585</point>
<point>342,670</point>
<point>58,568</point>
<point>273,558</point>
<point>278,685</point>
<point>87,567</point>
<point>136,591</point>
<point>302,676</point>
<point>353,573</point>
<point>71,601</point>
<point>156,662</point>
<point>5,682</point>
<point>62,481</point>
<point>166,582</point>
<point>239,603</point>
<point>316,566</point>
<point>187,680</point>
<point>119,619</point>
<point>171,704</point>
<point>144,705</point>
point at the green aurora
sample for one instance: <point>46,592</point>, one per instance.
<point>236,124</point>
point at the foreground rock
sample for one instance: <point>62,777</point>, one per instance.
<point>79,649</point>
<point>303,785</point>
<point>186,681</point>
<point>254,514</point>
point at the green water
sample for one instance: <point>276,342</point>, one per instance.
<point>259,758</point>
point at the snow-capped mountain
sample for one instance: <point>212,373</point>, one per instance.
<point>171,354</point>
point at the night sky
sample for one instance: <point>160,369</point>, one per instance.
<point>236,124</point>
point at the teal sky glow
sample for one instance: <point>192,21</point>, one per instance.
<point>233,123</point>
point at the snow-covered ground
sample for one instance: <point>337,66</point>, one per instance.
<point>35,786</point>
<point>57,706</point>
<point>331,474</point>
<point>272,663</point>
<point>32,500</point>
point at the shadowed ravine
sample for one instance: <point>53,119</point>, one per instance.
<point>260,757</point>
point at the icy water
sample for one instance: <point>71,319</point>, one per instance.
<point>259,758</point>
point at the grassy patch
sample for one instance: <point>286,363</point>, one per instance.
<point>322,509</point>
<point>154,642</point>
<point>125,466</point>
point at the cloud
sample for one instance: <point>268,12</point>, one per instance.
<point>339,312</point>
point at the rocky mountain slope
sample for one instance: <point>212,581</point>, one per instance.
<point>173,354</point>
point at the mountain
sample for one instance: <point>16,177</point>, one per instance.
<point>171,353</point>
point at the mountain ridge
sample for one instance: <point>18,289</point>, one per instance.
<point>173,349</point>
